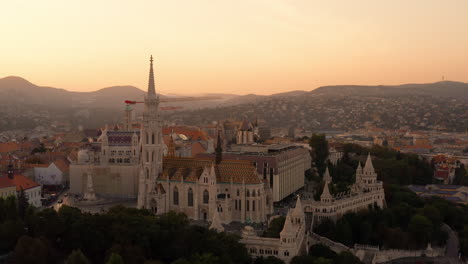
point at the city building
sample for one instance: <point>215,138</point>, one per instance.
<point>12,183</point>
<point>334,155</point>
<point>200,187</point>
<point>56,173</point>
<point>292,241</point>
<point>366,191</point>
<point>247,133</point>
<point>452,193</point>
<point>282,165</point>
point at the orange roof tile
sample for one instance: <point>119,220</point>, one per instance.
<point>197,148</point>
<point>6,182</point>
<point>63,165</point>
<point>9,147</point>
<point>23,182</point>
<point>19,181</point>
<point>190,169</point>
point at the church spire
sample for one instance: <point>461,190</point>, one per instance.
<point>219,149</point>
<point>151,86</point>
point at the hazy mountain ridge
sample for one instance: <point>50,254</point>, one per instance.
<point>24,105</point>
<point>445,89</point>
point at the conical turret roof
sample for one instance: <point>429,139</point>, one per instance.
<point>216,223</point>
<point>369,167</point>
<point>326,192</point>
<point>298,210</point>
<point>326,176</point>
<point>287,228</point>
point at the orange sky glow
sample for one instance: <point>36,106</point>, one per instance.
<point>241,47</point>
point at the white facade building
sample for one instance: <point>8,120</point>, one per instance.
<point>51,175</point>
<point>365,192</point>
<point>292,241</point>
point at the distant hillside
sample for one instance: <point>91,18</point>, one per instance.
<point>18,90</point>
<point>445,89</point>
<point>24,105</point>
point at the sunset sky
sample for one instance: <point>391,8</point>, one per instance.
<point>244,46</point>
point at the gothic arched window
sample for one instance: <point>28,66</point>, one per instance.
<point>206,197</point>
<point>147,173</point>
<point>152,138</point>
<point>190,197</point>
<point>176,196</point>
<point>248,193</point>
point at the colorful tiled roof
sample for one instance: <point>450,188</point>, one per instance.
<point>6,182</point>
<point>120,138</point>
<point>9,147</point>
<point>192,133</point>
<point>20,181</point>
<point>63,165</point>
<point>190,169</point>
<point>23,182</point>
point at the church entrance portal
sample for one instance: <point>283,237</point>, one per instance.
<point>153,206</point>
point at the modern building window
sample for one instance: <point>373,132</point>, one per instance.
<point>206,197</point>
<point>190,197</point>
<point>176,196</point>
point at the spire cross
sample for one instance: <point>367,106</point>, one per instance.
<point>151,59</point>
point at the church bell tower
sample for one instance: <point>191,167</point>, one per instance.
<point>151,145</point>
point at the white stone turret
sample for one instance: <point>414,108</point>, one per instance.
<point>369,168</point>
<point>326,175</point>
<point>369,177</point>
<point>326,197</point>
<point>287,234</point>
<point>298,211</point>
<point>216,223</point>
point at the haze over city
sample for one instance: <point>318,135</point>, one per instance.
<point>240,47</point>
<point>234,132</point>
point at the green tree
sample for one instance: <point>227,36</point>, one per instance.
<point>31,250</point>
<point>22,203</point>
<point>40,149</point>
<point>321,250</point>
<point>319,145</point>
<point>303,260</point>
<point>115,259</point>
<point>346,257</point>
<point>77,257</point>
<point>323,261</point>
<point>421,229</point>
<point>276,225</point>
<point>268,260</point>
